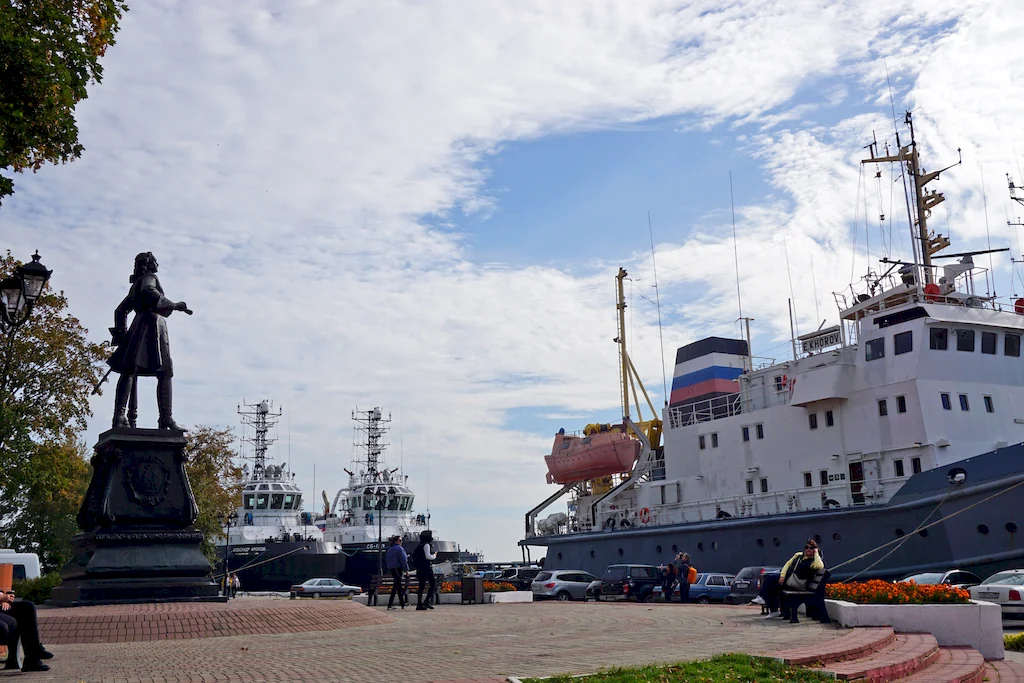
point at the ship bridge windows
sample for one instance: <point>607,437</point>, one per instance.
<point>988,342</point>
<point>874,349</point>
<point>903,342</point>
<point>262,501</point>
<point>298,501</point>
<point>289,501</point>
<point>394,502</point>
<point>276,487</point>
<point>264,487</point>
<point>250,501</point>
<point>406,503</point>
<point>938,338</point>
<point>277,501</point>
<point>1011,345</point>
<point>964,340</point>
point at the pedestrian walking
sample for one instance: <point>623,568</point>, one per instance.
<point>235,584</point>
<point>422,556</point>
<point>686,572</point>
<point>398,564</point>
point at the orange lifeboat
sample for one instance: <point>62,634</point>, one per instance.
<point>575,458</point>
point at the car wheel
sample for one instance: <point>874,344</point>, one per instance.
<point>563,597</point>
<point>316,595</point>
<point>703,600</point>
<point>648,598</point>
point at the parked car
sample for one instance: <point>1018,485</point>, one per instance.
<point>315,588</point>
<point>593,590</point>
<point>957,578</point>
<point>1004,588</point>
<point>747,584</point>
<point>630,581</point>
<point>562,584</point>
<point>520,577</point>
<point>711,588</point>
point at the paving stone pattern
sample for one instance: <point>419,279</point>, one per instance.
<point>451,643</point>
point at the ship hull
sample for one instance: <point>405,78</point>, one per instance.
<point>983,536</point>
<point>279,565</point>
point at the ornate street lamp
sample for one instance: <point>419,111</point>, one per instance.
<point>19,292</point>
<point>228,521</point>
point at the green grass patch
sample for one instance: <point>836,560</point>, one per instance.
<point>1014,641</point>
<point>719,669</point>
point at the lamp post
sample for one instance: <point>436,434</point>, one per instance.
<point>229,521</point>
<point>18,295</point>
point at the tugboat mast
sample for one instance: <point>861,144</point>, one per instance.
<point>261,417</point>
<point>374,425</point>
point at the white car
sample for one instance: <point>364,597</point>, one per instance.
<point>328,588</point>
<point>1005,589</point>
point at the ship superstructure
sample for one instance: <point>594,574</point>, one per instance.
<point>895,434</point>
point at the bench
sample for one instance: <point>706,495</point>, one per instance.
<point>813,598</point>
<point>381,586</point>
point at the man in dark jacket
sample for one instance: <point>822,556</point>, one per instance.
<point>398,563</point>
<point>18,621</point>
<point>683,566</point>
<point>421,559</point>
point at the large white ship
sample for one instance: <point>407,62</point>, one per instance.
<point>893,438</point>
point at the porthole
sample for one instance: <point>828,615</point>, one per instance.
<point>923,533</point>
<point>982,529</point>
<point>700,546</point>
<point>592,553</point>
<point>675,548</point>
<point>900,533</point>
<point>957,475</point>
<point>658,550</point>
<point>760,543</point>
<point>1011,527</point>
<point>817,538</point>
<point>837,537</point>
<point>714,545</point>
<point>776,542</point>
<point>620,552</point>
<point>559,555</point>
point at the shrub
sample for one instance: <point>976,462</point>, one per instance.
<point>498,587</point>
<point>877,592</point>
<point>1014,641</point>
<point>37,590</point>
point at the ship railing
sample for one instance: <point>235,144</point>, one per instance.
<point>727,406</point>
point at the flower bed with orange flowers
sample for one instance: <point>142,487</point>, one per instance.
<point>489,587</point>
<point>877,592</point>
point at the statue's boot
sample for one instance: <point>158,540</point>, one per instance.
<point>163,402</point>
<point>123,391</point>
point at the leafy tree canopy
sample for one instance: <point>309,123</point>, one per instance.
<point>216,482</point>
<point>49,52</point>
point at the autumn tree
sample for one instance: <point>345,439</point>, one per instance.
<point>50,52</point>
<point>216,482</point>
<point>48,368</point>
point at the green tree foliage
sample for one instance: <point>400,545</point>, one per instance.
<point>48,367</point>
<point>49,52</point>
<point>216,481</point>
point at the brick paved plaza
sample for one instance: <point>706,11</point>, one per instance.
<point>480,642</point>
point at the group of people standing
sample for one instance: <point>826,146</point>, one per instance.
<point>397,561</point>
<point>18,623</point>
<point>677,573</point>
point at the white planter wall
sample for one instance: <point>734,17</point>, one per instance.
<point>509,596</point>
<point>978,625</point>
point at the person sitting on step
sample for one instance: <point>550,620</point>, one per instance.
<point>18,622</point>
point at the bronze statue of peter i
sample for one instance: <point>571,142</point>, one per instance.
<point>144,349</point>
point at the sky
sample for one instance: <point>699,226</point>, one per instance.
<point>422,206</point>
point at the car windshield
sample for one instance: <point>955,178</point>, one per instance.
<point>930,579</point>
<point>748,572</point>
<point>1005,579</point>
<point>311,582</point>
<point>543,576</point>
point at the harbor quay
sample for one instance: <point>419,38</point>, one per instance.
<point>268,639</point>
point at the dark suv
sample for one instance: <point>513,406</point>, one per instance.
<point>747,584</point>
<point>630,581</point>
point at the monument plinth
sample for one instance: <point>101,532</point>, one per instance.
<point>137,542</point>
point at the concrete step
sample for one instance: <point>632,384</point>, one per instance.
<point>953,665</point>
<point>859,642</point>
<point>1004,671</point>
<point>906,654</point>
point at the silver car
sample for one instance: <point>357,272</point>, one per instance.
<point>328,588</point>
<point>562,584</point>
<point>1006,589</point>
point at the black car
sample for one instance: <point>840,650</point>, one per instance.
<point>747,584</point>
<point>630,581</point>
<point>520,577</point>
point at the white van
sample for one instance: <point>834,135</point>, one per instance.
<point>26,565</point>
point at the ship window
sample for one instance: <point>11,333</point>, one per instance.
<point>394,502</point>
<point>714,439</point>
<point>946,403</point>
<point>764,486</point>
<point>938,338</point>
<point>746,433</point>
<point>277,501</point>
<point>964,403</point>
<point>250,502</point>
<point>1011,345</point>
<point>759,428</point>
<point>750,486</point>
<point>298,502</point>
<point>988,342</point>
<point>289,499</point>
<point>367,502</point>
<point>276,487</point>
<point>405,503</point>
<point>897,466</point>
<point>778,383</point>
<point>808,479</point>
<point>915,465</point>
<point>989,408</point>
<point>874,349</point>
<point>812,420</point>
<point>261,501</point>
<point>883,407</point>
<point>823,477</point>
<point>903,342</point>
<point>264,487</point>
<point>901,404</point>
<point>700,441</point>
<point>662,489</point>
<point>965,340</point>
<point>829,420</point>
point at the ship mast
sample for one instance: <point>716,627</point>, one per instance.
<point>374,426</point>
<point>262,418</point>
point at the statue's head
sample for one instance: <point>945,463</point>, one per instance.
<point>145,263</point>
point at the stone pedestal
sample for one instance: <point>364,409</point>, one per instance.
<point>137,542</point>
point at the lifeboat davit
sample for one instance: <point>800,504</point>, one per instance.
<point>575,458</point>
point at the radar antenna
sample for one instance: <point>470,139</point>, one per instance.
<point>262,418</point>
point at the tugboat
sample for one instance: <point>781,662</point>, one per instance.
<point>375,505</point>
<point>273,544</point>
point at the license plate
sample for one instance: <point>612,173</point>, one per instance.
<point>742,584</point>
<point>987,594</point>
<point>538,589</point>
